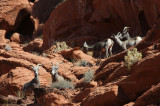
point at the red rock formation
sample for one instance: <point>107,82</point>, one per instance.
<point>17,38</point>
<point>15,17</point>
<point>98,19</point>
<point>149,97</point>
<point>102,96</point>
<point>42,9</point>
<point>10,9</point>
<point>144,75</point>
<point>2,36</point>
<point>80,20</point>
<point>34,46</point>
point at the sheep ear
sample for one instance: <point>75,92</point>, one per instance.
<point>31,66</point>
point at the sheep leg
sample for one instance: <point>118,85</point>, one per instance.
<point>111,48</point>
<point>106,48</point>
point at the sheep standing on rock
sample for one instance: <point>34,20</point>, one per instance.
<point>105,45</point>
<point>127,43</point>
<point>54,73</point>
<point>34,83</point>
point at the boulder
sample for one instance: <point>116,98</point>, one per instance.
<point>144,74</point>
<point>12,12</point>
<point>103,96</point>
<point>151,96</point>
<point>17,38</point>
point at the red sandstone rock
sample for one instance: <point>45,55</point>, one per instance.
<point>35,45</point>
<point>2,36</point>
<point>151,96</point>
<point>98,18</point>
<point>87,20</point>
<point>56,97</point>
<point>16,37</point>
<point>10,16</point>
<point>102,96</point>
<point>144,75</point>
<point>107,71</point>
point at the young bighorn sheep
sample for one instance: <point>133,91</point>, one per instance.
<point>106,45</point>
<point>54,73</point>
<point>34,83</point>
<point>127,43</point>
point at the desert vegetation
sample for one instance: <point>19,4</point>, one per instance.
<point>132,57</point>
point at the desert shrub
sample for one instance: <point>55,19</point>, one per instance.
<point>88,76</point>
<point>44,54</point>
<point>61,46</point>
<point>20,94</point>
<point>84,63</point>
<point>63,84</point>
<point>35,53</point>
<point>8,47</point>
<point>132,56</point>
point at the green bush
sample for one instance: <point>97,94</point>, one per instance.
<point>88,76</point>
<point>61,46</point>
<point>63,84</point>
<point>132,57</point>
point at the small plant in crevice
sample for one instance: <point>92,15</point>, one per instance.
<point>35,53</point>
<point>83,63</point>
<point>88,76</point>
<point>20,94</point>
<point>7,47</point>
<point>132,57</point>
<point>25,43</point>
<point>61,46</point>
<point>63,84</point>
<point>44,54</point>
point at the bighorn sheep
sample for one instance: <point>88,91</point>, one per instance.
<point>106,45</point>
<point>34,83</point>
<point>54,73</point>
<point>125,34</point>
<point>127,43</point>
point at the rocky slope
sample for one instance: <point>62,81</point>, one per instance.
<point>81,20</point>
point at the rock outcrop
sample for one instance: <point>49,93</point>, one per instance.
<point>98,19</point>
<point>15,17</point>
